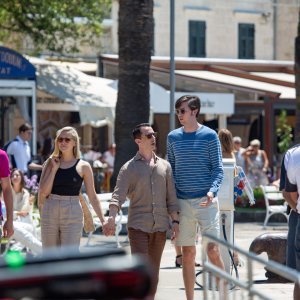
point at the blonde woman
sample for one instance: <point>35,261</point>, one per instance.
<point>60,185</point>
<point>257,164</point>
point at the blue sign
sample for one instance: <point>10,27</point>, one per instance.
<point>15,66</point>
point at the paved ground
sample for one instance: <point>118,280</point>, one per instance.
<point>171,284</point>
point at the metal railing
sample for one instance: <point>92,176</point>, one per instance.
<point>245,288</point>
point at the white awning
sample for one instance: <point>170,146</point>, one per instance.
<point>275,75</point>
<point>92,96</point>
<point>285,92</point>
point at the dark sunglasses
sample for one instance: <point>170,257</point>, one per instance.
<point>60,140</point>
<point>180,111</point>
<point>149,135</point>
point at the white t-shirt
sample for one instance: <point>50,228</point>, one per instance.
<point>292,166</point>
<point>21,151</point>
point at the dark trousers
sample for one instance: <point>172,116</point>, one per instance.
<point>291,238</point>
<point>151,245</point>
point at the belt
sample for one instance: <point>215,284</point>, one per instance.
<point>62,197</point>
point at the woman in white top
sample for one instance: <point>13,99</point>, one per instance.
<point>24,229</point>
<point>21,198</point>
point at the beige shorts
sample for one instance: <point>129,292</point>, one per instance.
<point>192,214</point>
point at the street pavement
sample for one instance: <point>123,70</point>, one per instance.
<point>171,283</point>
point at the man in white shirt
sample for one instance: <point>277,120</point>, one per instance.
<point>19,150</point>
<point>291,166</point>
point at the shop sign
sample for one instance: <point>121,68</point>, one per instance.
<point>14,66</point>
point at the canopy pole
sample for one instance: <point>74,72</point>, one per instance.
<point>172,64</point>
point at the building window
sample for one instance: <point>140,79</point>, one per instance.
<point>246,41</point>
<point>197,39</point>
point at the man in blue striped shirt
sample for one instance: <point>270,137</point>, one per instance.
<point>194,153</point>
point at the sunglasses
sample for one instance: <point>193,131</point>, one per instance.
<point>149,135</point>
<point>61,139</point>
<point>180,111</point>
<point>15,175</point>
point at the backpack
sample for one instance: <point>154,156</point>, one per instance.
<point>11,157</point>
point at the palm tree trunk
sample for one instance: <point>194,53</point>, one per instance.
<point>133,104</point>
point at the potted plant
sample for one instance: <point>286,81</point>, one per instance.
<point>284,134</point>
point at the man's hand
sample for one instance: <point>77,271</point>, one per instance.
<point>291,198</point>
<point>210,197</point>
<point>175,231</point>
<point>109,227</point>
<point>8,229</point>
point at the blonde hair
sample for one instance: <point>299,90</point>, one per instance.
<point>72,131</point>
<point>226,141</point>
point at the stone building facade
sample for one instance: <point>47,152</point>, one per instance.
<point>251,29</point>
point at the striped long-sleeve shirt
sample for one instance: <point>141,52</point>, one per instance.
<point>196,161</point>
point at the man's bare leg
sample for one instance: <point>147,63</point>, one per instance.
<point>188,270</point>
<point>214,255</point>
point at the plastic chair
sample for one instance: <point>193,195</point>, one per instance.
<point>271,193</point>
<point>120,218</point>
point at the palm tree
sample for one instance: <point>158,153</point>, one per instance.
<point>297,73</point>
<point>135,47</point>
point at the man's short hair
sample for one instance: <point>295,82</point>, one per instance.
<point>136,132</point>
<point>25,127</point>
<point>193,102</point>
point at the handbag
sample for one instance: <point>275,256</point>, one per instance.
<point>41,197</point>
<point>88,223</point>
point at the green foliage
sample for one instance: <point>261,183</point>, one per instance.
<point>243,201</point>
<point>284,132</point>
<point>55,25</point>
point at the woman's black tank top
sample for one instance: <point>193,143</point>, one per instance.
<point>67,182</point>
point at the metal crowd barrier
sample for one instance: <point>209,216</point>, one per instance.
<point>239,288</point>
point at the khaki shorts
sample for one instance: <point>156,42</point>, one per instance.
<point>192,214</point>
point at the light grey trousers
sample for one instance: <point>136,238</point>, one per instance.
<point>61,222</point>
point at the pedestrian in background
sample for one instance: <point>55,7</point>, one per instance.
<point>226,140</point>
<point>147,181</point>
<point>22,206</point>
<point>19,150</point>
<point>239,152</point>
<point>194,152</point>
<point>25,232</point>
<point>7,229</point>
<point>289,185</point>
<point>109,157</point>
<point>60,186</point>
<point>257,164</point>
<point>227,145</point>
